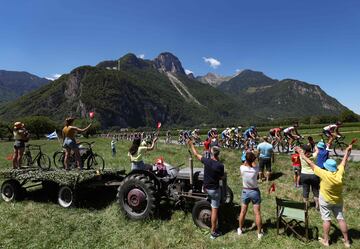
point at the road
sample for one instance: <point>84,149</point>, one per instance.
<point>355,155</point>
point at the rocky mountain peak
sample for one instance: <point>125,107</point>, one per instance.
<point>167,62</point>
<point>212,79</point>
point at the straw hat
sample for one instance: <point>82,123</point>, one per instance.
<point>18,125</point>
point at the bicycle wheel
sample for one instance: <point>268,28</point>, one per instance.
<point>339,148</point>
<point>95,162</point>
<point>44,162</point>
<point>284,146</point>
<point>58,158</point>
<point>26,160</point>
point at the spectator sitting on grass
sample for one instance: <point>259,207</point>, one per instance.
<point>331,199</point>
<point>213,173</point>
<point>250,193</point>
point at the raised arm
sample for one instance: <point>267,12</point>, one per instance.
<point>194,150</point>
<point>82,130</point>
<point>153,144</point>
<point>347,154</point>
<point>307,160</point>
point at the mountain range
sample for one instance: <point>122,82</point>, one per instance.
<point>133,92</point>
<point>14,84</point>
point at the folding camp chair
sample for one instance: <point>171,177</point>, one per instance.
<point>294,216</point>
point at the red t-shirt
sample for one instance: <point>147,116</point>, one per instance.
<point>207,144</point>
<point>295,158</point>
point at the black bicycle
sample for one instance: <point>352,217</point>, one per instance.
<point>339,146</point>
<point>87,156</point>
<point>42,160</point>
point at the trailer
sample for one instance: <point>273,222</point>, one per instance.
<point>65,184</point>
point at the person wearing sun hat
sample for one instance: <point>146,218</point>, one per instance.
<point>322,154</point>
<point>331,199</point>
<point>21,135</point>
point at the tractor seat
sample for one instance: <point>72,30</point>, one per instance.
<point>185,173</point>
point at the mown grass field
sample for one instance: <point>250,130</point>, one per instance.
<point>39,223</point>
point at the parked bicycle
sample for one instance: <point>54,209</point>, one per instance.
<point>42,160</point>
<point>88,158</point>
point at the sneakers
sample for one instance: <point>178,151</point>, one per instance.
<point>346,243</point>
<point>260,235</point>
<point>215,234</point>
<point>239,231</point>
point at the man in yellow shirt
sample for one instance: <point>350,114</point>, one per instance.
<point>331,199</point>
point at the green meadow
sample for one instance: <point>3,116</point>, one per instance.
<point>39,222</point>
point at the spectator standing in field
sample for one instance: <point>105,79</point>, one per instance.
<point>250,193</point>
<point>21,136</point>
<point>322,154</point>
<point>68,133</point>
<point>266,153</point>
<point>308,178</point>
<point>296,164</point>
<point>137,151</point>
<point>331,198</point>
<point>213,173</point>
<point>113,147</point>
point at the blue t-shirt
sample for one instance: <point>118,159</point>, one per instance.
<point>265,150</point>
<point>213,171</point>
<point>322,156</point>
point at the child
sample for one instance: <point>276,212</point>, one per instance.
<point>296,163</point>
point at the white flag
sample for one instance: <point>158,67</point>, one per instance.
<point>52,135</point>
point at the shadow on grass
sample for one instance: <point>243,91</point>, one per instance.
<point>337,235</point>
<point>92,199</point>
<point>276,175</point>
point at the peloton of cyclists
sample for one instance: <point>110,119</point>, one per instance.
<point>292,134</point>
<point>331,132</point>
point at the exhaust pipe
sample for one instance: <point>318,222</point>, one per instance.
<point>191,165</point>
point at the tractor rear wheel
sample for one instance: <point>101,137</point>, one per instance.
<point>201,214</point>
<point>136,197</point>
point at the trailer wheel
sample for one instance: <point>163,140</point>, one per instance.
<point>201,214</point>
<point>66,197</point>
<point>11,191</point>
<point>136,197</point>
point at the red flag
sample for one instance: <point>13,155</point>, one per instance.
<point>272,188</point>
<point>354,141</point>
<point>9,157</point>
<point>158,125</point>
<point>92,115</point>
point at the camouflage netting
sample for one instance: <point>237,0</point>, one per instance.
<point>69,178</point>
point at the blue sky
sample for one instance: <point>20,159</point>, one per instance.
<point>314,41</point>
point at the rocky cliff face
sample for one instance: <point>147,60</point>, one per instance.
<point>213,79</point>
<point>167,62</point>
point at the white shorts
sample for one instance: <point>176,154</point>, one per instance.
<point>326,208</point>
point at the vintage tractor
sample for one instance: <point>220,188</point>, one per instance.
<point>140,193</point>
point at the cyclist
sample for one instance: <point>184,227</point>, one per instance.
<point>195,134</point>
<point>331,132</point>
<point>275,134</point>
<point>250,135</point>
<point>292,134</point>
<point>70,144</point>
